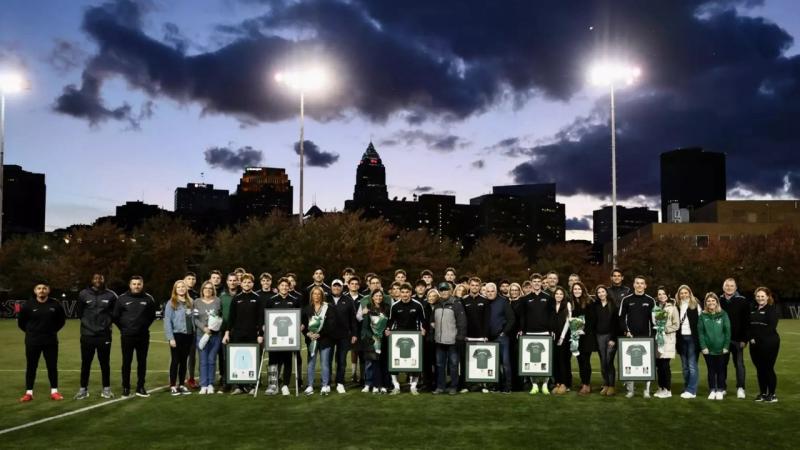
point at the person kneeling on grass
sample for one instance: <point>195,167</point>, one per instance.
<point>41,318</point>
<point>320,327</point>
<point>714,329</point>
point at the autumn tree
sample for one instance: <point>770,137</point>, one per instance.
<point>493,259</point>
<point>419,249</point>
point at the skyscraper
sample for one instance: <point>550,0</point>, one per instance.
<point>628,219</point>
<point>370,179</point>
<point>24,199</point>
<point>261,191</point>
<point>200,198</point>
<point>691,177</point>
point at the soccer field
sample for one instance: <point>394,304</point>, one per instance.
<point>357,420</point>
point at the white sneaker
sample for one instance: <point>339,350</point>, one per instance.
<point>376,390</point>
<point>464,391</point>
<point>688,395</point>
<point>365,390</point>
<point>658,393</point>
<point>485,391</point>
<point>414,390</point>
<point>203,391</point>
<point>666,394</point>
<point>340,388</point>
<point>309,391</point>
<point>384,391</point>
<point>740,393</point>
<point>284,390</point>
<point>646,393</point>
<point>396,390</point>
<point>720,395</point>
<point>712,395</point>
<point>209,389</point>
<point>272,390</point>
<point>325,390</point>
<point>629,394</point>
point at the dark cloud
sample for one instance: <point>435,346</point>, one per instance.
<point>422,189</point>
<point>315,157</point>
<point>577,223</point>
<point>439,142</point>
<point>233,160</point>
<point>479,164</point>
<point>174,37</point>
<point>511,147</point>
<point>66,56</point>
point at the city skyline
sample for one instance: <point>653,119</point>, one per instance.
<point>114,133</point>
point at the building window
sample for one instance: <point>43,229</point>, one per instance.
<point>701,241</point>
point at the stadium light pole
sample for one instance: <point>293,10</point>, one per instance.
<point>10,83</point>
<point>610,75</point>
<point>303,81</point>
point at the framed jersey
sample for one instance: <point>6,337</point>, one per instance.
<point>637,359</point>
<point>242,363</point>
<point>535,355</point>
<point>405,351</point>
<point>282,329</point>
<point>483,362</point>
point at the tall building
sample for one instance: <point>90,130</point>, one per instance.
<point>370,179</point>
<point>24,200</point>
<point>132,214</point>
<point>628,219</point>
<point>692,178</point>
<point>200,198</point>
<point>261,191</point>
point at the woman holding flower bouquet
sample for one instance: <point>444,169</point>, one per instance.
<point>319,326</point>
<point>374,315</point>
<point>714,330</point>
<point>667,322</point>
<point>207,322</point>
<point>606,327</point>
<point>562,373</point>
<point>582,333</point>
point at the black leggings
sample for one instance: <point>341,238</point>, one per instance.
<point>561,364</point>
<point>664,374</point>
<point>102,346</point>
<point>140,344</point>
<point>764,353</point>
<point>585,367</point>
<point>179,355</point>
<point>716,371</point>
<point>32,353</point>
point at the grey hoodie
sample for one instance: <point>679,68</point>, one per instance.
<point>450,321</point>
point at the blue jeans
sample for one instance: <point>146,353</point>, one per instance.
<point>505,360</point>
<point>208,359</point>
<point>689,364</point>
<point>446,360</point>
<point>325,354</point>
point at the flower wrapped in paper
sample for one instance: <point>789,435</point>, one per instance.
<point>660,316</point>
<point>576,325</point>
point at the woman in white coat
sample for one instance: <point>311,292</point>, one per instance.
<point>667,320</point>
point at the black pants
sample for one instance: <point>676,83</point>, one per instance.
<point>428,363</point>
<point>561,364</point>
<point>764,353</point>
<point>716,371</point>
<point>89,346</point>
<point>664,374</point>
<point>32,353</point>
<point>516,380</point>
<point>178,357</point>
<point>736,353</point>
<point>585,367</point>
<point>339,354</point>
<point>284,362</point>
<point>192,354</point>
<point>299,359</point>
<point>140,344</point>
<point>223,353</point>
<point>607,359</point>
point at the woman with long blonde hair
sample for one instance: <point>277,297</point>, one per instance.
<point>687,342</point>
<point>179,331</point>
<point>714,331</point>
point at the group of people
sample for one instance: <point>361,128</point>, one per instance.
<point>356,318</point>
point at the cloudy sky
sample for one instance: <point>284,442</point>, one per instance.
<point>130,99</point>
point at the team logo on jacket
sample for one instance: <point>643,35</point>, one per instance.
<point>142,303</point>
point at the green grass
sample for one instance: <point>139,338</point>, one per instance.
<point>357,420</point>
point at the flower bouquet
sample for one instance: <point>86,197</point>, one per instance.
<point>660,315</point>
<point>576,325</point>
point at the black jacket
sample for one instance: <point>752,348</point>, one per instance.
<point>408,316</point>
<point>477,310</point>
<point>246,320</point>
<point>607,318</point>
<point>41,321</point>
<point>278,302</point>
<point>588,341</point>
<point>330,328</point>
<point>692,315</point>
<point>134,313</point>
<point>345,309</point>
<point>763,324</point>
<point>501,318</point>
<point>307,292</point>
<point>738,309</point>
<point>96,309</point>
<point>617,293</point>
<point>636,315</point>
<point>537,312</point>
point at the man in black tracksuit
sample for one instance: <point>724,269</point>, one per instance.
<point>246,320</point>
<point>407,315</point>
<point>95,309</point>
<point>476,308</point>
<point>738,309</point>
<point>41,318</point>
<point>133,313</point>
<point>280,361</point>
<point>345,334</point>
<point>536,316</point>
<point>636,320</point>
<point>617,291</point>
<point>427,379</point>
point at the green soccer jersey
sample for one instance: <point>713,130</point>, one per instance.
<point>405,345</point>
<point>282,323</point>
<point>483,356</point>
<point>535,349</point>
<point>636,352</point>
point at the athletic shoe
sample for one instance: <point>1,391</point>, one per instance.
<point>771,398</point>
<point>452,391</point>
<point>26,398</point>
<point>667,394</point>
<point>210,389</point>
<point>629,394</point>
<point>284,390</point>
<point>106,392</point>
<point>237,391</point>
<point>183,390</point>
<point>272,390</point>
<point>191,383</point>
<point>126,392</point>
<point>485,391</point>
<point>365,390</point>
<point>719,396</point>
<point>384,391</point>
<point>82,394</point>
<point>646,393</point>
<point>534,389</point>
<point>760,397</point>
<point>395,391</point>
<point>545,389</point>
<point>309,391</point>
<point>603,390</point>
<point>438,391</point>
<point>173,391</point>
<point>203,391</point>
<point>712,395</point>
<point>414,391</point>
<point>340,388</point>
<point>376,391</point>
<point>659,393</point>
<point>611,391</point>
<point>740,393</point>
<point>58,397</point>
<point>688,395</point>
<point>464,391</point>
<point>141,392</point>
